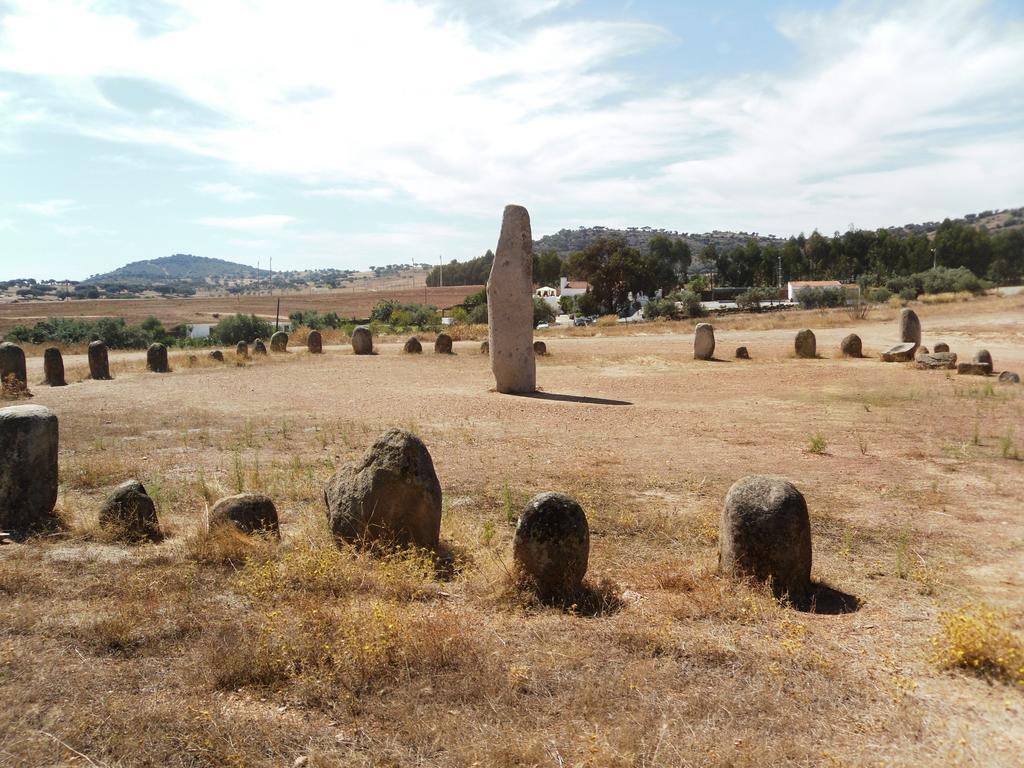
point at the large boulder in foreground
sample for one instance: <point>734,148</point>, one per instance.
<point>510,305</point>
<point>362,341</point>
<point>391,496</point>
<point>765,535</point>
<point>28,468</point>
<point>805,344</point>
<point>851,346</point>
<point>551,547</point>
<point>900,353</point>
<point>53,368</point>
<point>248,513</point>
<point>99,361</point>
<point>703,341</point>
<point>129,511</point>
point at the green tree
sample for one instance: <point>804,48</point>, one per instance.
<point>547,268</point>
<point>542,311</point>
<point>231,330</point>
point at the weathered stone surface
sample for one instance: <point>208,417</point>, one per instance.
<point>766,535</point>
<point>12,363</point>
<point>156,358</point>
<point>942,347</point>
<point>279,342</point>
<point>242,349</point>
<point>315,343</point>
<point>984,357</point>
<point>413,346</point>
<point>53,367</point>
<point>391,495</point>
<point>248,512</point>
<point>1009,377</point>
<point>973,369</point>
<point>910,327</point>
<point>510,305</point>
<point>703,341</point>
<point>485,347</point>
<point>851,346</point>
<point>28,468</point>
<point>129,510</point>
<point>258,347</point>
<point>362,341</point>
<point>742,353</point>
<point>551,547</point>
<point>540,348</point>
<point>923,351</point>
<point>901,353</point>
<point>805,344</point>
<point>99,361</point>
<point>935,360</point>
<point>443,344</point>
<point>219,356</point>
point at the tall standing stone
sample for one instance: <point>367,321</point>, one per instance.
<point>314,343</point>
<point>703,341</point>
<point>28,468</point>
<point>99,362</point>
<point>279,342</point>
<point>156,358</point>
<point>910,327</point>
<point>766,535</point>
<point>805,344</point>
<point>362,341</point>
<point>510,305</point>
<point>53,367</point>
<point>12,363</point>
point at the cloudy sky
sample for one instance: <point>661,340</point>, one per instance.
<point>345,134</point>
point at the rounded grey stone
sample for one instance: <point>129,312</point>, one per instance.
<point>765,535</point>
<point>53,367</point>
<point>390,496</point>
<point>1009,377</point>
<point>28,468</point>
<point>805,344</point>
<point>218,355</point>
<point>315,343</point>
<point>703,341</point>
<point>129,510</point>
<point>242,349</point>
<point>412,346</point>
<point>941,347</point>
<point>485,347</point>
<point>12,364</point>
<point>443,344</point>
<point>258,347</point>
<point>851,346</point>
<point>540,348</point>
<point>248,512</point>
<point>983,357</point>
<point>279,342</point>
<point>551,547</point>
<point>742,353</point>
<point>156,358</point>
<point>362,341</point>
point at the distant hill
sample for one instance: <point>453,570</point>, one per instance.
<point>180,266</point>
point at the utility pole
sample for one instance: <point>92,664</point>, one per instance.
<point>277,317</point>
<point>270,276</point>
<point>257,277</point>
<point>440,267</point>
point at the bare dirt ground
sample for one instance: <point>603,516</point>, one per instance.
<point>186,653</point>
<point>347,303</point>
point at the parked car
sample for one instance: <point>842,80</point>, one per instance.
<point>542,325</point>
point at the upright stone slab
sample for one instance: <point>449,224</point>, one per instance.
<point>703,341</point>
<point>362,341</point>
<point>540,348</point>
<point>805,344</point>
<point>443,344</point>
<point>129,511</point>
<point>910,327</point>
<point>983,357</point>
<point>217,355</point>
<point>510,305</point>
<point>314,343</point>
<point>279,342</point>
<point>851,346</point>
<point>485,347</point>
<point>242,349</point>
<point>259,348</point>
<point>12,363</point>
<point>28,468</point>
<point>53,367</point>
<point>412,346</point>
<point>99,362</point>
<point>156,358</point>
<point>551,547</point>
<point>742,353</point>
<point>766,535</point>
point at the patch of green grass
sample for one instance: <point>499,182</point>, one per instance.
<point>818,444</point>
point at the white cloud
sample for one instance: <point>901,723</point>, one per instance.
<point>912,112</point>
<point>229,193</point>
<point>266,222</point>
<point>49,208</point>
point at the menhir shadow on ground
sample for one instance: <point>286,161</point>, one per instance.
<point>561,398</point>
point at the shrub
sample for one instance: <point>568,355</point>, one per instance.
<point>665,308</point>
<point>315,320</point>
<point>542,311</point>
<point>232,330</point>
<point>393,313</point>
<point>976,638</point>
<point>814,298</point>
<point>751,299</point>
<point>877,295</point>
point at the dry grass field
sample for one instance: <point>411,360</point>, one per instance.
<point>200,652</point>
<point>347,303</point>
